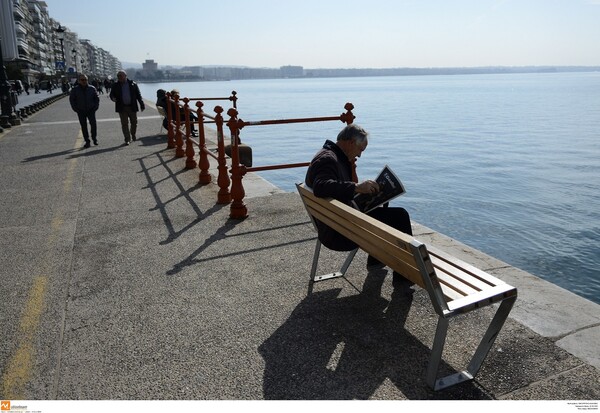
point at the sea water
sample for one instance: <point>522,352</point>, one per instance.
<point>507,163</point>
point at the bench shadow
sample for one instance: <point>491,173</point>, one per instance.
<point>351,348</point>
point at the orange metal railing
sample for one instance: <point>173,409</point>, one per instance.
<point>238,209</point>
<point>176,140</point>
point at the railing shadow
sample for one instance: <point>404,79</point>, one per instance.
<point>346,348</point>
<point>186,193</point>
<point>153,140</point>
<point>221,234</point>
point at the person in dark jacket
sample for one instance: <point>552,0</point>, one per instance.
<point>161,100</point>
<point>330,175</point>
<point>85,102</point>
<point>126,95</point>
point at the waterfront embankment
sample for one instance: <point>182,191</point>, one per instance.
<point>123,279</point>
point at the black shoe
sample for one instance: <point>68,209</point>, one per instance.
<point>134,138</point>
<point>374,264</point>
<point>195,134</point>
<point>126,143</point>
<point>87,145</point>
<point>95,142</point>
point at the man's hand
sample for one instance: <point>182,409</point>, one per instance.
<point>367,187</point>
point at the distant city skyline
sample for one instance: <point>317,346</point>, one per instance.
<point>342,34</point>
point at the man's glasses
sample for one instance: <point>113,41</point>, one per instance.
<point>83,80</point>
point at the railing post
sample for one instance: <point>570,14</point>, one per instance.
<point>170,132</point>
<point>234,98</point>
<point>348,118</point>
<point>204,176</point>
<point>179,153</point>
<point>190,162</point>
<point>224,196</point>
<point>238,209</point>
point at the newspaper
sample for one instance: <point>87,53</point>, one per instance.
<point>390,187</point>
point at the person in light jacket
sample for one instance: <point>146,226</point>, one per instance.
<point>126,95</point>
<point>85,102</point>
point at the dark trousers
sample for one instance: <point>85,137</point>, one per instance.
<point>128,116</point>
<point>83,119</point>
<point>395,217</point>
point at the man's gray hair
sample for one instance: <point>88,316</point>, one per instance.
<point>353,132</point>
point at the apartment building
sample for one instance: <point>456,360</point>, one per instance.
<point>36,47</point>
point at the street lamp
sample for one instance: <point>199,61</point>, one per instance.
<point>60,31</point>
<point>61,36</point>
<point>6,113</point>
<point>74,51</point>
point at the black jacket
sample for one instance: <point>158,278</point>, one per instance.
<point>116,94</point>
<point>330,175</point>
<point>84,99</point>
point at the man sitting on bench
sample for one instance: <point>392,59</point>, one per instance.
<point>330,175</point>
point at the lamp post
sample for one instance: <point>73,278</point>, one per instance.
<point>74,51</point>
<point>61,36</point>
<point>6,106</point>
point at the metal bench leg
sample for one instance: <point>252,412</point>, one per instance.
<point>480,353</point>
<point>436,351</point>
<point>315,262</point>
<point>335,274</point>
<point>315,278</point>
<point>490,335</point>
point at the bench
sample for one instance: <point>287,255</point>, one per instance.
<point>163,113</point>
<point>454,286</point>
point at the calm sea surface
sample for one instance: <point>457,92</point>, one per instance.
<point>508,164</point>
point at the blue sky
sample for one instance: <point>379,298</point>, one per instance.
<point>340,34</point>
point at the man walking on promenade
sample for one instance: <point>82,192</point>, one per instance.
<point>126,95</point>
<point>85,102</point>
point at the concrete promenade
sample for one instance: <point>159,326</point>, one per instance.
<point>121,278</point>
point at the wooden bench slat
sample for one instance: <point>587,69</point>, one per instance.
<point>450,294</point>
<point>469,283</point>
<point>453,287</point>
<point>464,266</point>
<point>482,298</point>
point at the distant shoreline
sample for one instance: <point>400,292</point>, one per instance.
<point>240,73</point>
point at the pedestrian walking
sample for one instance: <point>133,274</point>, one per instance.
<point>85,101</point>
<point>126,95</point>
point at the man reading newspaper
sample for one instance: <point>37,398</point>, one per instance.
<point>330,175</point>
